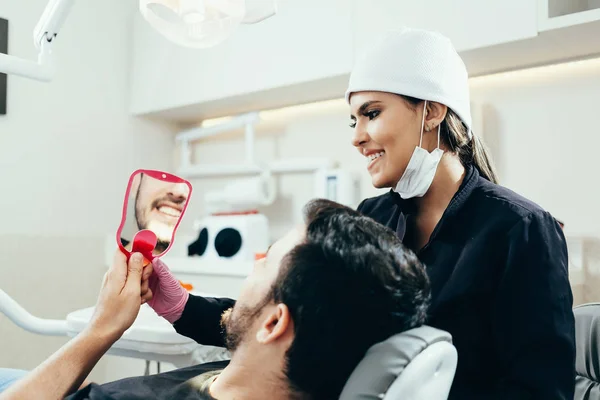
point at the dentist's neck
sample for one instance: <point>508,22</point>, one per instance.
<point>448,178</point>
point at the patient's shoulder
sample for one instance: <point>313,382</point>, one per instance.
<point>157,387</point>
<point>195,388</point>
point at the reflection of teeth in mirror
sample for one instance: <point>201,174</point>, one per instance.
<point>172,212</point>
<point>155,201</point>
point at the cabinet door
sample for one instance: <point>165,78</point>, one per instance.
<point>470,24</point>
<point>307,40</point>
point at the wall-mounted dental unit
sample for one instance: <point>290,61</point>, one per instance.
<point>188,23</point>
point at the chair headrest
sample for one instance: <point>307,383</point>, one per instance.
<point>587,341</point>
<point>385,361</point>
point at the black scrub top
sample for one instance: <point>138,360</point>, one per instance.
<point>498,269</point>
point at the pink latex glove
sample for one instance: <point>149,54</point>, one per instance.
<point>168,296</point>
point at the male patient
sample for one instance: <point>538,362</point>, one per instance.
<point>307,314</point>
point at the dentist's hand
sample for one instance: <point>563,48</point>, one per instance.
<point>120,297</point>
<point>167,296</point>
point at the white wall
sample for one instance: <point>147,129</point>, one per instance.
<point>66,151</point>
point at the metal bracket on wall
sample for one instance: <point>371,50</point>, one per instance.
<point>250,167</point>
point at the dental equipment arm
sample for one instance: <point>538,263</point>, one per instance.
<point>44,34</point>
<point>23,319</point>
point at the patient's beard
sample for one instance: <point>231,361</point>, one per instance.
<point>237,322</point>
<point>161,246</point>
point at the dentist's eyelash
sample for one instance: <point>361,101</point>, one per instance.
<point>369,114</point>
<point>372,114</point>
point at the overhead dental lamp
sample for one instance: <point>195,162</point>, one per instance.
<point>188,23</point>
<point>203,23</point>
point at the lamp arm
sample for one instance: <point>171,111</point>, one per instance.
<point>45,32</point>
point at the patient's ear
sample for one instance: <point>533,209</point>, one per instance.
<point>277,325</point>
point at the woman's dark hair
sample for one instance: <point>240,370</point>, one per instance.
<point>454,133</point>
<point>349,285</point>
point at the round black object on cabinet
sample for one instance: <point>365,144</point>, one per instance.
<point>228,242</point>
<point>198,247</point>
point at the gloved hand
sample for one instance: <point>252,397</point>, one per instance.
<point>168,296</point>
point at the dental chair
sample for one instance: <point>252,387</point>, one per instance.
<point>587,360</point>
<point>418,364</point>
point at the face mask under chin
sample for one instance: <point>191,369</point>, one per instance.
<point>421,168</point>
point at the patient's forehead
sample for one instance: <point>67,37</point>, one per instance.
<point>283,246</point>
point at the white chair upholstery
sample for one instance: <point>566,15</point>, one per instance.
<point>414,365</point>
<point>587,360</point>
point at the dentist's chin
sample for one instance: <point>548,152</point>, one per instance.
<point>379,181</point>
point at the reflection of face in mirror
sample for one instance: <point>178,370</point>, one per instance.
<point>155,205</point>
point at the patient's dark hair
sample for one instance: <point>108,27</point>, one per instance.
<point>349,285</point>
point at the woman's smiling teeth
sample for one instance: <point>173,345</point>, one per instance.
<point>374,156</point>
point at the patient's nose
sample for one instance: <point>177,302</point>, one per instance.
<point>179,191</point>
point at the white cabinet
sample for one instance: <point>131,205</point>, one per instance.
<point>470,24</point>
<point>307,41</point>
<point>555,14</point>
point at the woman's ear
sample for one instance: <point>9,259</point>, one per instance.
<point>276,325</point>
<point>436,113</point>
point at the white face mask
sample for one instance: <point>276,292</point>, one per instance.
<point>419,173</point>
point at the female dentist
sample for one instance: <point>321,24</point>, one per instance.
<point>497,262</point>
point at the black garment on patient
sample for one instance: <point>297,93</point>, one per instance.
<point>181,384</point>
<point>498,269</point>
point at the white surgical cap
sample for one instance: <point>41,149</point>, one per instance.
<point>415,63</point>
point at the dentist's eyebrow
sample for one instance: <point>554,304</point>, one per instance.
<point>364,107</point>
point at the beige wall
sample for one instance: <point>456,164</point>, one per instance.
<point>66,151</point>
